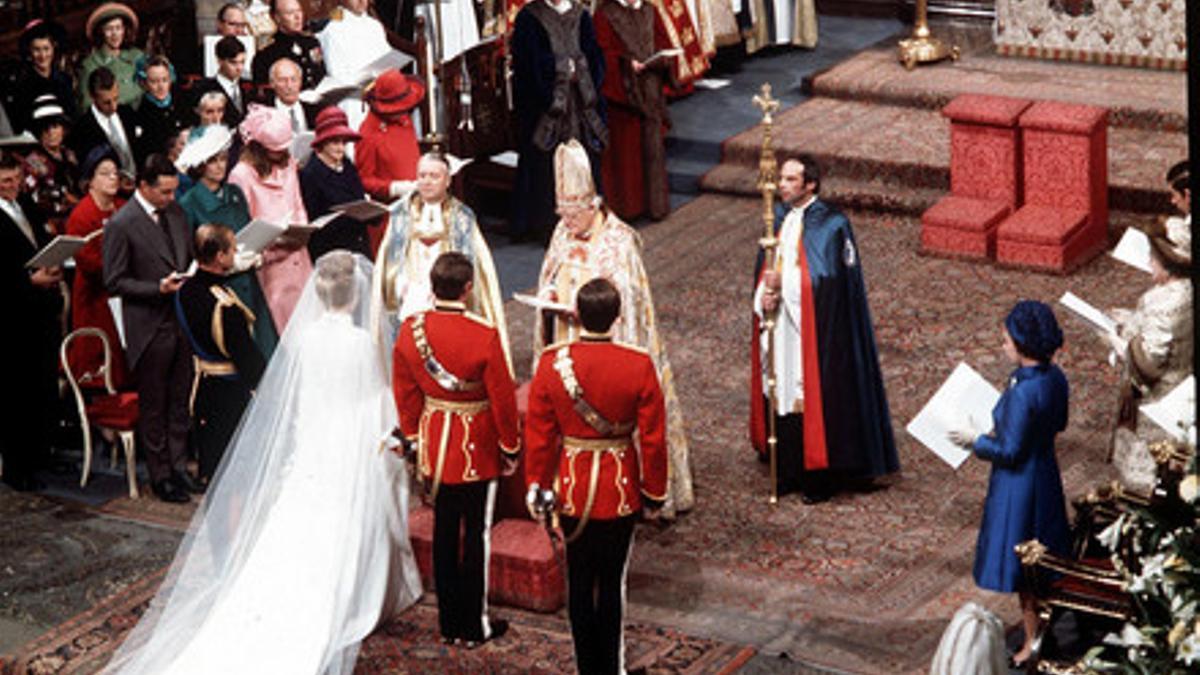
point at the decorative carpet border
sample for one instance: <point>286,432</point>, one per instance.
<point>1086,56</point>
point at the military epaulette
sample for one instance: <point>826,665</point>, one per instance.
<point>336,14</point>
<point>632,348</point>
<point>479,319</point>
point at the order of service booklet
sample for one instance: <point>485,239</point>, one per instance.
<point>964,402</point>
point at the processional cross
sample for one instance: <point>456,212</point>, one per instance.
<point>767,172</point>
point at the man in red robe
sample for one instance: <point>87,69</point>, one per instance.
<point>634,165</point>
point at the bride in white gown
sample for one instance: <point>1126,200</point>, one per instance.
<point>301,546</point>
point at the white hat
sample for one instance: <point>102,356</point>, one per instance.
<point>203,147</point>
<point>573,185</point>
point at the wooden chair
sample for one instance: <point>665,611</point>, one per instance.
<point>1088,586</point>
<point>114,413</point>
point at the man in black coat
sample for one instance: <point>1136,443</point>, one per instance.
<point>220,329</point>
<point>147,248</point>
<point>34,300</point>
<point>231,61</point>
<point>106,122</point>
<point>293,42</point>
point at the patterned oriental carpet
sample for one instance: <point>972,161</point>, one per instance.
<point>864,583</point>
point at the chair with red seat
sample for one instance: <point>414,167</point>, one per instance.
<point>114,413</point>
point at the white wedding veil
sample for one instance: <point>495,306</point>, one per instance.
<point>302,538</point>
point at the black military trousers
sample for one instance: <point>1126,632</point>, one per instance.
<point>596,565</point>
<point>219,405</point>
<point>461,581</point>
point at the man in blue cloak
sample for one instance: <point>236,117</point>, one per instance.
<point>832,419</point>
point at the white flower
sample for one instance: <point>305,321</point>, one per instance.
<point>1111,536</point>
<point>1189,487</point>
<point>1130,637</point>
<point>1189,650</point>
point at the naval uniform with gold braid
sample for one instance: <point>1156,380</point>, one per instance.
<point>457,400</point>
<point>228,363</point>
<point>585,403</point>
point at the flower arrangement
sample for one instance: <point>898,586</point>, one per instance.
<point>1157,549</point>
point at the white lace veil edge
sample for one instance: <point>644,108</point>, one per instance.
<point>226,524</point>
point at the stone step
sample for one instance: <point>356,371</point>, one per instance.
<point>1138,97</point>
<point>857,141</point>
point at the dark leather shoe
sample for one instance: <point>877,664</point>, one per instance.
<point>169,492</point>
<point>499,628</point>
<point>184,481</point>
<point>811,498</point>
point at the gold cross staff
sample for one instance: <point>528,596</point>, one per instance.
<point>767,171</point>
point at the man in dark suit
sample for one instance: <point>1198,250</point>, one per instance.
<point>293,42</point>
<point>34,300</point>
<point>147,247</point>
<point>231,60</point>
<point>285,95</point>
<point>106,122</point>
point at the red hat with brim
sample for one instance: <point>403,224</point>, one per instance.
<point>394,92</point>
<point>332,124</point>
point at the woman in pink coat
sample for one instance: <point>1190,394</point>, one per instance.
<point>269,177</point>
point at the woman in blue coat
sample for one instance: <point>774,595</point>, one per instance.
<point>1025,495</point>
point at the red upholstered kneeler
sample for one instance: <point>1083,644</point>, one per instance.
<point>962,226</point>
<point>1065,150</point>
<point>985,176</point>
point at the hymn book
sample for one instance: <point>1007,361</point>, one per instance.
<point>60,249</point>
<point>363,210</point>
<point>542,303</point>
<point>1133,249</point>
<point>1175,412</point>
<point>662,54</point>
<point>260,233</point>
<point>964,402</point>
<point>1095,318</point>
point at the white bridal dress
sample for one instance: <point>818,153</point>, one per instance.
<point>301,546</point>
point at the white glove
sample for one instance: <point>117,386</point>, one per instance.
<point>962,438</point>
<point>244,260</point>
<point>399,188</point>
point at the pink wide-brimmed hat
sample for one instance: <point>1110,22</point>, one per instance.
<point>331,124</point>
<point>112,10</point>
<point>271,127</point>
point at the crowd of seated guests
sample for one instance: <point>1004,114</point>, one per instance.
<point>86,111</point>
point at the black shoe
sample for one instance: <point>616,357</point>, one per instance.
<point>499,628</point>
<point>27,483</point>
<point>167,491</point>
<point>811,498</point>
<point>184,481</point>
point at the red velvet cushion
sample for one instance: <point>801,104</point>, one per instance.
<point>965,213</point>
<point>1000,111</point>
<point>1042,225</point>
<point>115,411</point>
<point>1068,118</point>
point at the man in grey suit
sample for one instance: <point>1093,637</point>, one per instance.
<point>147,248</point>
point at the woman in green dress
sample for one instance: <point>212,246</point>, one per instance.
<point>213,200</point>
<point>112,28</point>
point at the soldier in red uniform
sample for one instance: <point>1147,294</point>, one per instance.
<point>587,399</point>
<point>457,403</point>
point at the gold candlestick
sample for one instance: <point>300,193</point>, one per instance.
<point>922,47</point>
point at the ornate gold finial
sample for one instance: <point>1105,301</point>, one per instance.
<point>922,47</point>
<point>1030,552</point>
<point>766,103</point>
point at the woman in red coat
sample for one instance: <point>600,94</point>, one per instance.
<point>89,300</point>
<point>387,153</point>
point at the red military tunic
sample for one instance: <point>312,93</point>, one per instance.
<point>467,427</point>
<point>621,384</point>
